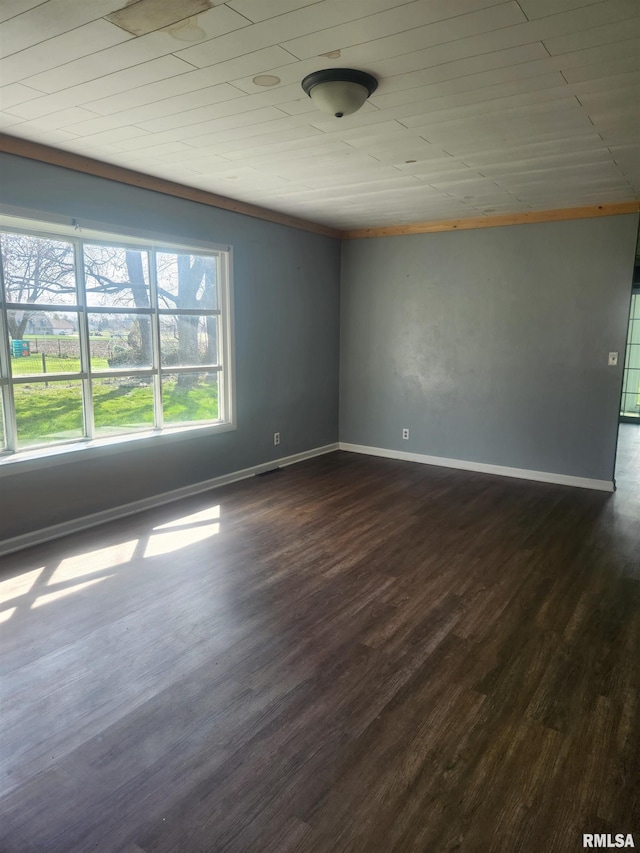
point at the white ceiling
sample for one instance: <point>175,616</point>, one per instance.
<point>482,108</point>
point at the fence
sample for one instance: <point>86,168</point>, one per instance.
<point>62,346</point>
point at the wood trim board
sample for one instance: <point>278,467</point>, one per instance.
<point>495,221</point>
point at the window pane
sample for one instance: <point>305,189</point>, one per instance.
<point>630,404</point>
<point>187,340</point>
<point>116,277</point>
<point>48,342</point>
<point>122,404</point>
<point>189,397</point>
<point>631,383</point>
<point>119,340</point>
<point>187,281</point>
<point>47,412</point>
<point>38,270</point>
<point>2,430</point>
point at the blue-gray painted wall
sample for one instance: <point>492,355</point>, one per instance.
<point>286,295</point>
<point>490,345</point>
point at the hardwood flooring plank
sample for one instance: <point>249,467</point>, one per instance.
<point>355,654</point>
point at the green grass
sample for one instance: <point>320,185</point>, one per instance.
<point>54,412</point>
<point>198,403</point>
<point>48,413</point>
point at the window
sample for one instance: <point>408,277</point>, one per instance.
<point>104,336</point>
<point>630,403</point>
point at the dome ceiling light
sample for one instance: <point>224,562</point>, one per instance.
<point>339,91</point>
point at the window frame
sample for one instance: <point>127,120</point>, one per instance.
<point>79,235</point>
<point>632,349</point>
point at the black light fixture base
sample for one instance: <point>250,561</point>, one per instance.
<point>340,75</point>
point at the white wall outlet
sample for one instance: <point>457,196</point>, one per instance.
<point>276,438</point>
<point>613,359</point>
<point>405,433</point>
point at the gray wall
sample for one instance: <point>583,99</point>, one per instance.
<point>489,345</point>
<point>286,292</point>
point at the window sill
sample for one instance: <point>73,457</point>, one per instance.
<point>48,457</point>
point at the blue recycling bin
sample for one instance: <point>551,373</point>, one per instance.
<point>20,349</point>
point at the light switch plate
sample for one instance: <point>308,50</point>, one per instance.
<point>613,359</point>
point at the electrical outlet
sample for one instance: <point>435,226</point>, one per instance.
<point>613,359</point>
<point>276,438</point>
<point>405,433</point>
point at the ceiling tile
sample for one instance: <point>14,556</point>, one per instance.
<point>628,27</point>
<point>398,73</point>
<point>229,122</point>
<point>528,102</point>
<point>258,10</point>
<point>540,164</point>
<point>146,16</point>
<point>228,115</point>
<point>599,53</point>
<point>83,41</point>
<point>116,135</point>
<point>142,97</point>
<point>317,16</point>
<point>495,28</point>
<point>621,65</point>
<point>161,109</point>
<point>121,81</point>
<point>132,52</point>
<point>542,8</point>
<point>16,93</point>
<point>11,8</point>
<point>627,86</point>
<point>227,140</point>
<point>7,120</point>
<point>50,136</point>
<point>48,20</point>
<point>399,20</point>
<point>483,106</point>
<point>441,93</point>
<point>59,120</point>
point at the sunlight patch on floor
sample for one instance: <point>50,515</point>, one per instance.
<point>7,614</point>
<point>68,590</point>
<point>94,561</point>
<point>183,531</point>
<point>19,585</point>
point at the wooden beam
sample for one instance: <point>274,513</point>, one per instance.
<point>495,221</point>
<point>78,163</point>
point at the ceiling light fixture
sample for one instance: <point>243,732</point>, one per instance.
<point>339,91</point>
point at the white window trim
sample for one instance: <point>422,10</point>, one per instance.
<point>57,453</point>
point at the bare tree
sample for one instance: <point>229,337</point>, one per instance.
<point>195,290</point>
<point>42,271</point>
<point>35,270</point>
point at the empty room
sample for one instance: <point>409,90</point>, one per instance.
<point>319,426</point>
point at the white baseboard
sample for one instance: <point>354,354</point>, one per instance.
<point>55,531</point>
<point>481,467</point>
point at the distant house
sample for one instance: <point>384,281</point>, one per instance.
<point>43,324</point>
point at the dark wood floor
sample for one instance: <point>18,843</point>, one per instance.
<point>353,654</point>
